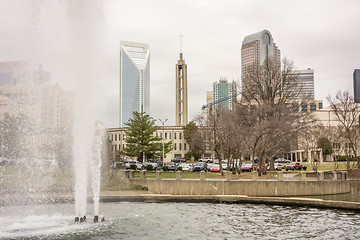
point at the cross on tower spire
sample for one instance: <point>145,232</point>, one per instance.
<point>181,36</point>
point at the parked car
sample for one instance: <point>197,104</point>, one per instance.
<point>171,166</point>
<point>293,166</point>
<point>208,166</point>
<point>207,160</point>
<point>178,160</point>
<point>185,167</point>
<point>200,166</point>
<point>129,162</point>
<point>247,167</point>
<point>277,166</point>
<point>282,160</point>
<point>224,166</point>
<point>215,168</point>
<point>154,165</point>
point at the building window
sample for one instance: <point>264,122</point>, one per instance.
<point>304,107</point>
<point>180,135</point>
<point>312,107</point>
<point>179,146</point>
<point>184,146</point>
<point>169,135</point>
<point>174,135</point>
<point>161,135</point>
<point>320,105</point>
<point>166,135</point>
<point>115,137</point>
<point>174,146</point>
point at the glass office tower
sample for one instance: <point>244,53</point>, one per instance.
<point>134,79</point>
<point>356,78</point>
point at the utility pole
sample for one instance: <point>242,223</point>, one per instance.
<point>163,135</point>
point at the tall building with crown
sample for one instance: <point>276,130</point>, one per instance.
<point>134,79</point>
<point>255,49</point>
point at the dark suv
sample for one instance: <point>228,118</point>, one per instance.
<point>200,166</point>
<point>171,166</point>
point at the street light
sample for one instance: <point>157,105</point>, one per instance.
<point>163,135</point>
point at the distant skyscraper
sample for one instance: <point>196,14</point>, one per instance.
<point>356,77</point>
<point>255,49</point>
<point>305,84</point>
<point>134,79</point>
<point>181,92</point>
<point>223,89</point>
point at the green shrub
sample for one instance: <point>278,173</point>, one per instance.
<point>299,168</point>
<point>149,167</point>
<point>304,167</point>
<point>133,166</point>
<point>165,168</point>
<point>179,168</point>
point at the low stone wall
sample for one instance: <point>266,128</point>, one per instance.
<point>302,187</point>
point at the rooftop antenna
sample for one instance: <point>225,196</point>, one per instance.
<point>181,36</point>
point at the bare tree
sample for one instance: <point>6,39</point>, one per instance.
<point>347,113</point>
<point>272,125</point>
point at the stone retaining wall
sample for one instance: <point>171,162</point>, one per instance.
<point>254,187</point>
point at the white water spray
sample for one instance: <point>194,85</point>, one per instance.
<point>96,166</point>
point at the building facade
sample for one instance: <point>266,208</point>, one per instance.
<point>26,92</point>
<point>224,89</point>
<point>134,79</point>
<point>117,137</point>
<point>305,80</point>
<point>255,49</point>
<point>356,79</point>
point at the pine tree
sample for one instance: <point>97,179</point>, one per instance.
<point>140,140</point>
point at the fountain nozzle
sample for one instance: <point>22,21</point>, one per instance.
<point>83,219</point>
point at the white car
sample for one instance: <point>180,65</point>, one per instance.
<point>186,167</point>
<point>277,166</point>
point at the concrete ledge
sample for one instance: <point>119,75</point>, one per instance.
<point>304,202</point>
<point>140,196</point>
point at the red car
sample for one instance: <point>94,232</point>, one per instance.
<point>215,168</point>
<point>247,167</point>
<point>293,166</point>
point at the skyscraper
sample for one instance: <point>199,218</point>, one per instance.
<point>305,84</point>
<point>134,79</point>
<point>255,49</point>
<point>224,89</point>
<point>356,78</point>
<point>181,92</point>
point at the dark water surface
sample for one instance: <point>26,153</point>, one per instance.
<point>126,220</point>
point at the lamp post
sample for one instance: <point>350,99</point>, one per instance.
<point>162,122</point>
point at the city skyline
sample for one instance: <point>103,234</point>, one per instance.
<point>87,34</point>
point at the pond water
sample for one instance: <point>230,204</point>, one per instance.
<point>127,220</point>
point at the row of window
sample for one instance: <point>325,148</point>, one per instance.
<point>119,147</point>
<point>180,146</point>
<point>167,135</point>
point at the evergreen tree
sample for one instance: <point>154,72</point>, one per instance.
<point>140,140</point>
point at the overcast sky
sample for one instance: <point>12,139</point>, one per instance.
<point>79,43</point>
